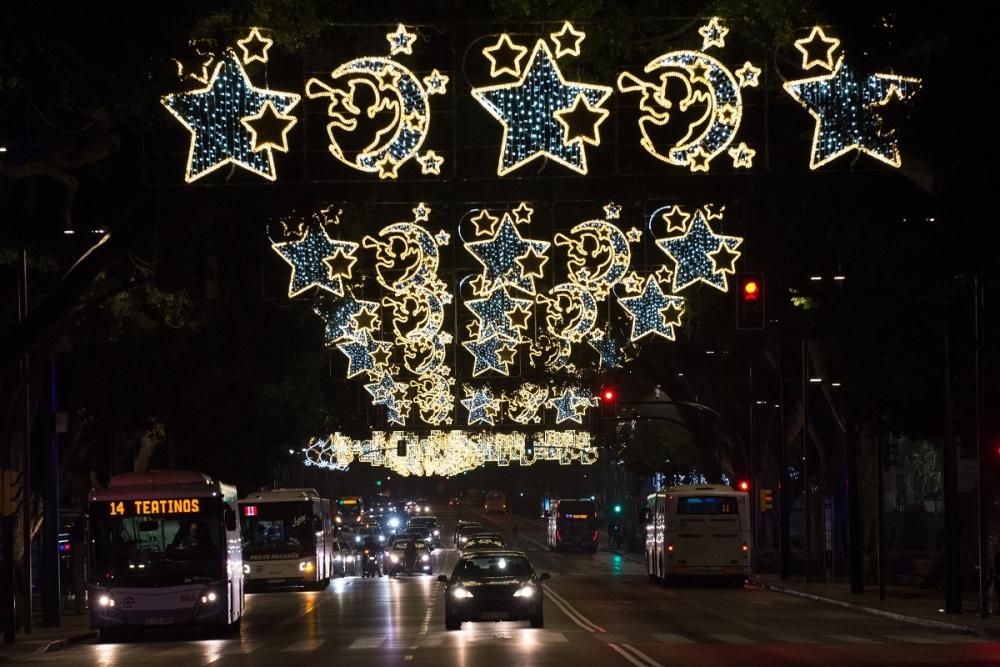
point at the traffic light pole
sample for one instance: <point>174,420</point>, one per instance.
<point>853,506</point>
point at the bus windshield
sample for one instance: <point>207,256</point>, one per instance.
<point>706,505</point>
<point>277,527</point>
<point>157,550</point>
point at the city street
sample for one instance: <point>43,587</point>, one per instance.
<point>599,609</point>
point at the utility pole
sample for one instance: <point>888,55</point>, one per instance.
<point>854,526</point>
<point>805,461</point>
<point>952,524</point>
<point>784,509</point>
<point>981,454</point>
<point>50,522</point>
<point>22,311</point>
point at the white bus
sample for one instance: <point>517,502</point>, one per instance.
<point>288,539</point>
<point>164,551</point>
<point>698,530</point>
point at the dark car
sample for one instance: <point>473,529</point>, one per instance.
<point>462,524</point>
<point>344,560</point>
<point>431,524</point>
<point>465,532</point>
<point>484,542</point>
<point>493,586</point>
<point>396,557</point>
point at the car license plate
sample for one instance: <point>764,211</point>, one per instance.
<point>160,620</point>
<point>492,615</point>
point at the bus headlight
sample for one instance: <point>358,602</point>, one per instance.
<point>307,567</point>
<point>337,557</point>
<point>246,569</point>
<point>209,597</point>
<point>106,601</point>
<point>425,558</point>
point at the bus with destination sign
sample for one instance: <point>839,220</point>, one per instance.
<point>350,509</point>
<point>700,530</point>
<point>164,551</point>
<point>574,523</point>
<point>288,539</point>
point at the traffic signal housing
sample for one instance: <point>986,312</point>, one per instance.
<point>750,313</point>
<point>609,403</point>
<point>765,500</point>
<point>743,485</point>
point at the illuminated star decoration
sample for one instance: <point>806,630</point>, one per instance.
<point>373,90</point>
<point>392,395</point>
<point>815,44</point>
<point>651,310</point>
<point>567,40</point>
<point>748,75</point>
<point>693,252</point>
<point>344,318</point>
<point>215,117</point>
<point>533,112</point>
<point>742,155</point>
<point>307,257</point>
<point>486,352</point>
<point>847,110</point>
<point>612,211</point>
<point>495,311</point>
<point>254,46</point>
<point>361,353</point>
<point>499,256</point>
<point>571,405</point>
<point>713,33</point>
<point>482,406</point>
<point>609,349</point>
<point>505,56</point>
<point>269,129</point>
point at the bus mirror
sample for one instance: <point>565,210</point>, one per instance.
<point>230,519</point>
<point>148,526</point>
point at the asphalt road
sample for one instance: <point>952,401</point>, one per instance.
<point>600,609</point>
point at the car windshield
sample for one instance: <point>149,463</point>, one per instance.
<point>401,544</point>
<point>158,550</point>
<point>275,527</point>
<point>493,566</point>
<point>490,542</point>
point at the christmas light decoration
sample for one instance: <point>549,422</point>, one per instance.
<point>498,311</point>
<point>653,312</point>
<point>525,403</point>
<point>360,351</point>
<point>701,255</point>
<point>346,317</point>
<point>599,255</point>
<point>308,257</point>
<point>371,87</point>
<point>505,57</point>
<point>221,118</point>
<point>817,43</point>
<point>608,348</point>
<point>482,406</point>
<point>542,114</point>
<point>571,404</point>
<point>706,83</point>
<point>848,112</point>
<point>567,40</point>
<point>254,46</point>
<point>448,453</point>
<point>500,254</point>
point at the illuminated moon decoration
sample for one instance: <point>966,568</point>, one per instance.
<point>394,317</point>
<point>383,100</point>
<point>692,88</point>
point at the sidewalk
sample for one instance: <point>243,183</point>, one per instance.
<point>74,628</point>
<point>919,608</point>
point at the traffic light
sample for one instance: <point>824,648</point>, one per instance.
<point>609,403</point>
<point>378,482</point>
<point>750,301</point>
<point>765,500</point>
<point>617,509</point>
<point>10,493</point>
<point>743,485</point>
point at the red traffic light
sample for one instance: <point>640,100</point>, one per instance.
<point>608,395</point>
<point>751,290</point>
<point>744,485</point>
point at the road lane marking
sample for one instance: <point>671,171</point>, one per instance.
<point>367,642</point>
<point>913,639</point>
<point>852,639</point>
<point>628,656</point>
<point>728,638</point>
<point>649,661</point>
<point>305,645</point>
<point>671,638</point>
<point>571,611</point>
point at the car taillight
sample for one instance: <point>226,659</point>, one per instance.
<point>558,536</point>
<point>594,538</point>
<point>670,547</point>
<point>746,548</point>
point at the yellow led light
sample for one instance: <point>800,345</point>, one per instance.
<point>510,61</point>
<point>269,112</point>
<point>436,83</point>
<point>430,162</point>
<point>676,219</point>
<point>748,75</point>
<point>567,40</point>
<point>742,155</point>
<point>254,46</point>
<point>827,46</point>
<point>401,40</point>
<point>699,255</point>
<point>527,109</point>
<point>522,213</point>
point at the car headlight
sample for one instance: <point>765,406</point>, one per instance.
<point>427,508</point>
<point>425,558</point>
<point>437,532</point>
<point>306,566</point>
<point>338,557</point>
<point>465,539</point>
<point>460,593</point>
<point>381,538</point>
<point>394,523</point>
<point>337,519</point>
<point>525,591</point>
<point>246,569</point>
<point>357,538</point>
<point>394,558</point>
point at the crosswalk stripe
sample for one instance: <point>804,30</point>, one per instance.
<point>852,639</point>
<point>731,639</point>
<point>367,642</point>
<point>913,639</point>
<point>671,638</point>
<point>305,645</point>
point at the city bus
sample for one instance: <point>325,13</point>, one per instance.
<point>288,539</point>
<point>350,509</point>
<point>698,530</point>
<point>164,550</point>
<point>573,524</point>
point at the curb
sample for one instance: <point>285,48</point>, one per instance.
<point>896,616</point>
<point>59,644</point>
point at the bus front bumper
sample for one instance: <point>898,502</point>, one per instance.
<point>158,607</point>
